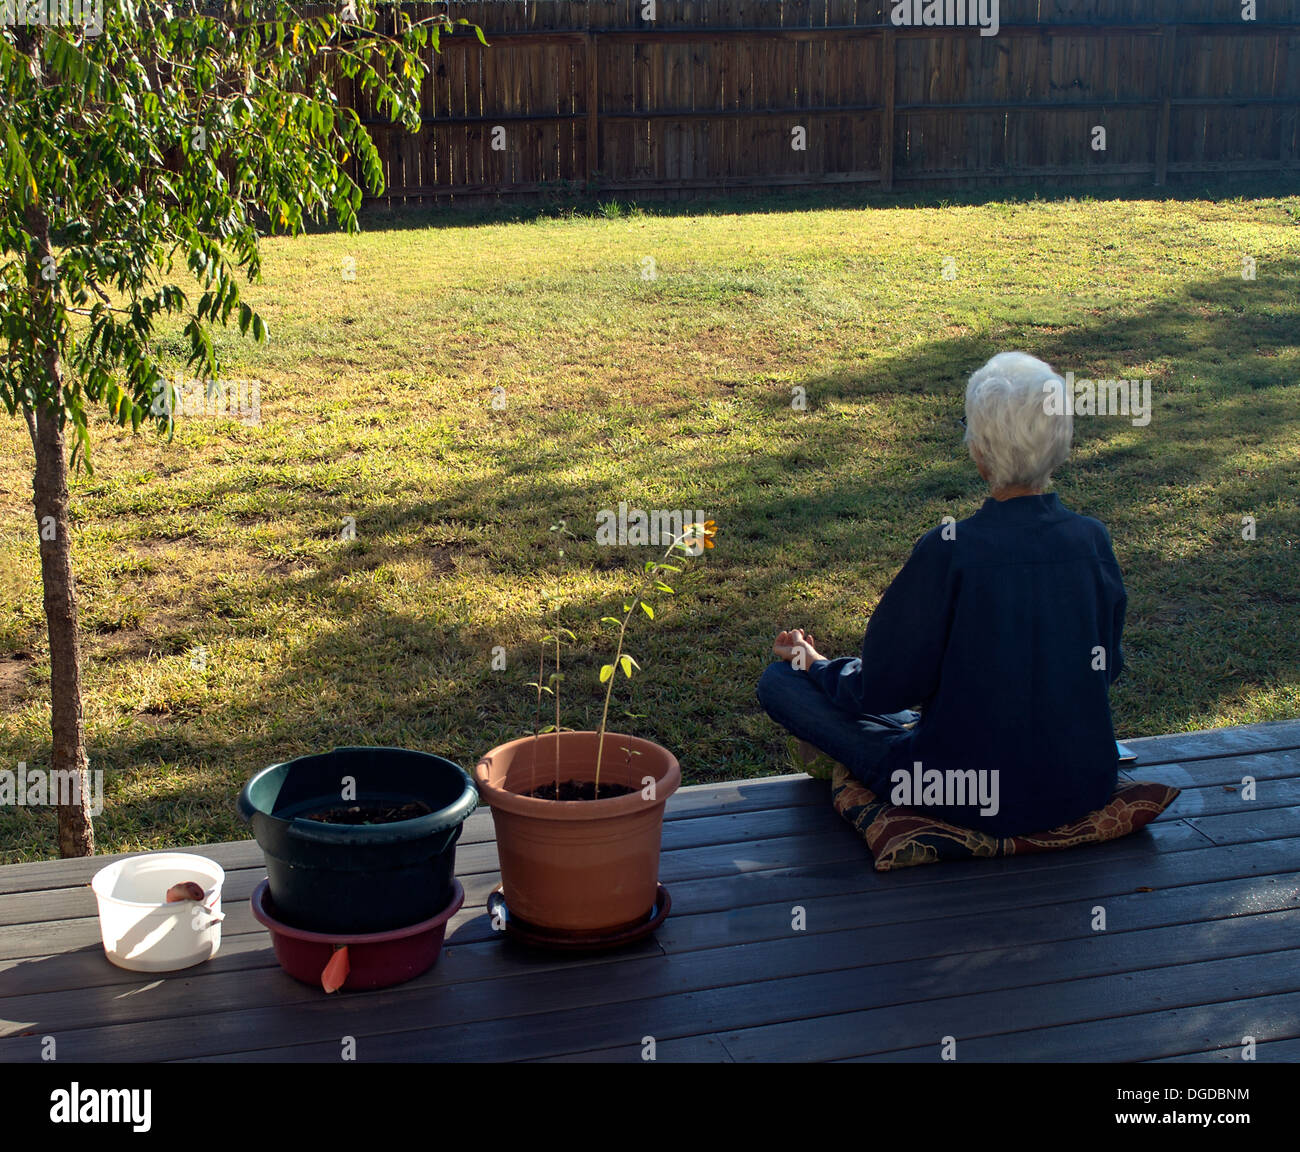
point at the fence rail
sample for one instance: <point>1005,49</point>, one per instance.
<point>754,93</point>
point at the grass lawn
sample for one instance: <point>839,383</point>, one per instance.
<point>228,625</point>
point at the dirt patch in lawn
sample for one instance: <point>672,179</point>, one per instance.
<point>13,679</point>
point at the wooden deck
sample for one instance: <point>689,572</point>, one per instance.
<point>1201,947</point>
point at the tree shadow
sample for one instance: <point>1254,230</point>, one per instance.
<point>571,200</point>
<point>814,523</point>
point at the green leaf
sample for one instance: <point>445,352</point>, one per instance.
<point>611,620</point>
<point>627,664</point>
<point>647,610</point>
<point>606,672</point>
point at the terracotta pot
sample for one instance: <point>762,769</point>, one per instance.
<point>578,865</point>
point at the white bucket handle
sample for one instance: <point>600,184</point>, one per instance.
<point>217,917</point>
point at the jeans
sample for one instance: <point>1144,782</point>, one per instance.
<point>858,742</point>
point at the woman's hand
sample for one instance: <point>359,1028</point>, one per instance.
<point>789,644</point>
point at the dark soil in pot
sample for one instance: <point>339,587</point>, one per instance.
<point>369,813</point>
<point>580,790</point>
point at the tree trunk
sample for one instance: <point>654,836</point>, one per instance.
<point>50,485</point>
<point>50,489</point>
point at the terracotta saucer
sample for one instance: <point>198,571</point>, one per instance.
<point>530,934</point>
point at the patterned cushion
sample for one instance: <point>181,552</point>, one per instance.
<point>901,837</point>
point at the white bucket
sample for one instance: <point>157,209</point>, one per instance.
<point>144,933</point>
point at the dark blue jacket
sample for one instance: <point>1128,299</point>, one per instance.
<point>1005,629</point>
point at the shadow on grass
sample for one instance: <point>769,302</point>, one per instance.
<point>812,509</point>
<point>568,203</point>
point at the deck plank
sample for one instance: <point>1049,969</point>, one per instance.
<point>824,830</point>
<point>1199,949</point>
<point>689,820</point>
<point>886,1007</point>
<point>688,1050</point>
<point>850,937</point>
<point>1219,770</point>
<point>471,857</point>
<point>717,911</point>
<point>1008,1024</point>
<point>1179,751</point>
<point>752,906</point>
<point>1211,742</point>
<point>837,846</point>
<point>687,803</point>
<point>1155,1037</point>
<point>1266,1052</point>
<point>1249,827</point>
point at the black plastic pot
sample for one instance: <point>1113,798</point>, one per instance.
<point>359,878</point>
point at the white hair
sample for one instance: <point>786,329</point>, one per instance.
<point>1015,418</point>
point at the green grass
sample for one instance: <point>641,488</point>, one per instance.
<point>669,392</point>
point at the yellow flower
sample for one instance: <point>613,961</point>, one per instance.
<point>697,534</point>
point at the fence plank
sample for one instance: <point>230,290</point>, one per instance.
<point>888,116</point>
<point>709,90</point>
<point>1168,48</point>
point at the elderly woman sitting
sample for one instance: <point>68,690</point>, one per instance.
<point>1003,628</point>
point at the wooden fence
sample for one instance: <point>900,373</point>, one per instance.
<point>591,95</point>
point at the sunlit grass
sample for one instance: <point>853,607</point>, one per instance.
<point>228,625</point>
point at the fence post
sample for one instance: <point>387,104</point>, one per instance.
<point>887,63</point>
<point>1168,41</point>
<point>593,99</point>
<point>1286,116</point>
